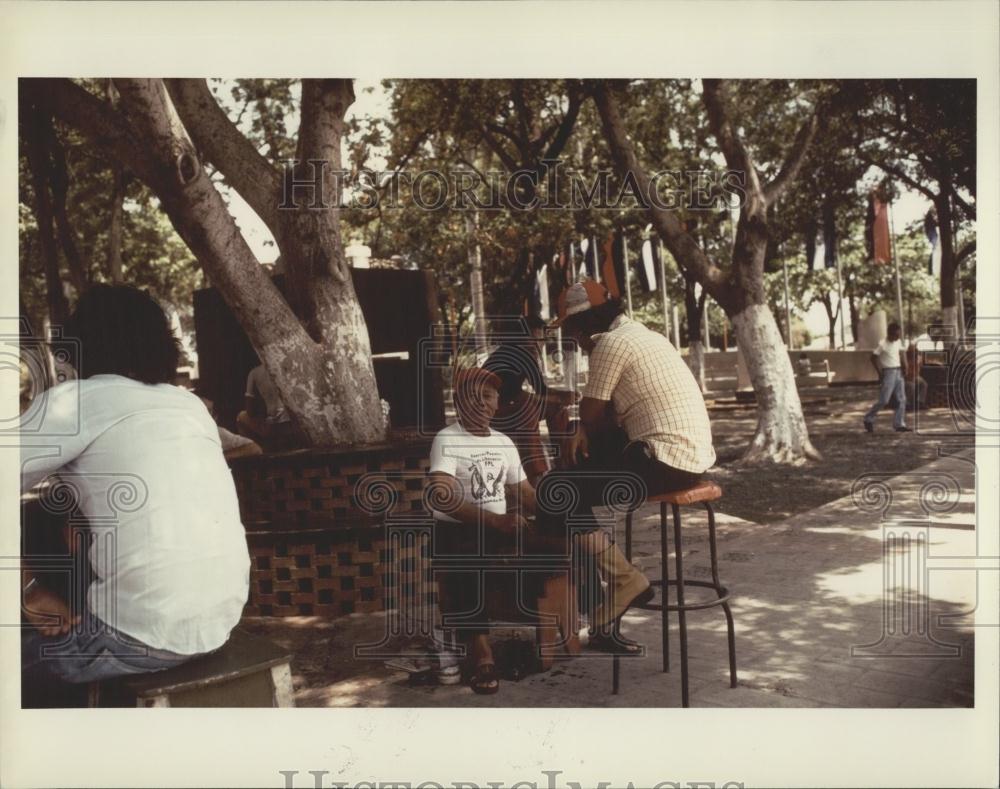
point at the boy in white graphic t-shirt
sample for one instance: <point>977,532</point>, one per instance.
<point>890,364</point>
<point>471,468</point>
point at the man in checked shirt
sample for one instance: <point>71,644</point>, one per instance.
<point>641,412</point>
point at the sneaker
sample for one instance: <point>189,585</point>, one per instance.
<point>869,427</point>
<point>449,675</point>
<point>903,429</point>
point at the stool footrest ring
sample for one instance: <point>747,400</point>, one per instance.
<point>721,591</point>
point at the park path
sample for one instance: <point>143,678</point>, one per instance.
<point>814,627</point>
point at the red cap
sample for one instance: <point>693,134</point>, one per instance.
<point>580,297</point>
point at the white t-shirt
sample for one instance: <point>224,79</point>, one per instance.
<point>168,549</point>
<point>888,352</point>
<point>259,385</point>
<point>481,464</point>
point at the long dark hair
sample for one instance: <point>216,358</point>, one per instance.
<point>123,331</point>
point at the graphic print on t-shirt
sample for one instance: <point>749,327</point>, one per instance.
<point>487,473</point>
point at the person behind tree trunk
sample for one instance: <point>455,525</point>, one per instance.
<point>265,418</point>
<point>889,363</point>
<point>143,456</point>
<point>642,412</point>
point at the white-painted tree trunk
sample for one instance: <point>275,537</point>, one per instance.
<point>696,361</point>
<point>950,319</point>
<point>781,435</point>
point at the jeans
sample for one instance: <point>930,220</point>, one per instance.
<point>891,383</point>
<point>90,652</point>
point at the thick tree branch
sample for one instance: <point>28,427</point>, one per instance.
<point>898,172</point>
<point>324,105</point>
<point>967,208</point>
<point>793,160</point>
<point>495,146</point>
<point>714,97</point>
<point>200,216</point>
<point>60,194</point>
<point>33,124</point>
<point>496,128</point>
<point>227,148</point>
<point>523,113</point>
<point>967,249</point>
<point>104,127</point>
<point>668,226</point>
<point>565,128</point>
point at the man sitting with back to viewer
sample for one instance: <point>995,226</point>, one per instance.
<point>641,412</point>
<point>168,550</point>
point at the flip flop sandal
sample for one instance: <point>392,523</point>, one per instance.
<point>485,681</point>
<point>607,643</point>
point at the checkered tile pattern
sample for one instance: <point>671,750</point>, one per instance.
<point>314,552</point>
<point>655,396</point>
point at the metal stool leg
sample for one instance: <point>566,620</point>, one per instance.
<point>615,664</point>
<point>616,667</point>
<point>731,631</point>
<point>664,589</point>
<point>628,535</point>
<point>682,619</point>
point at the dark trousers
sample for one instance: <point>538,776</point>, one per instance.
<point>618,473</point>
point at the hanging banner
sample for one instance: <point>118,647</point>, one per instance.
<point>648,264</point>
<point>931,230</point>
<point>879,250</point>
<point>613,265</point>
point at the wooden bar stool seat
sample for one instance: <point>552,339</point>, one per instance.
<point>704,493</point>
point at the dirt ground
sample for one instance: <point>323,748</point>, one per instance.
<point>765,494</point>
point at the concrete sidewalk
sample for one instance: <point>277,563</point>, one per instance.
<point>814,624</point>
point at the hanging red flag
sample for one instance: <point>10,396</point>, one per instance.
<point>881,251</point>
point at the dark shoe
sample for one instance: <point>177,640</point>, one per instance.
<point>485,681</point>
<point>608,643</point>
<point>869,427</point>
<point>903,429</point>
<point>642,598</point>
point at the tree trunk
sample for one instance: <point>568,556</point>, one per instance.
<point>115,230</point>
<point>39,162</point>
<point>831,318</point>
<point>60,191</point>
<point>949,265</point>
<point>781,435</point>
<point>855,319</point>
<point>322,293</point>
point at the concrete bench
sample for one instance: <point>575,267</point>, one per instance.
<point>246,672</point>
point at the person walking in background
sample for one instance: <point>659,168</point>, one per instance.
<point>889,363</point>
